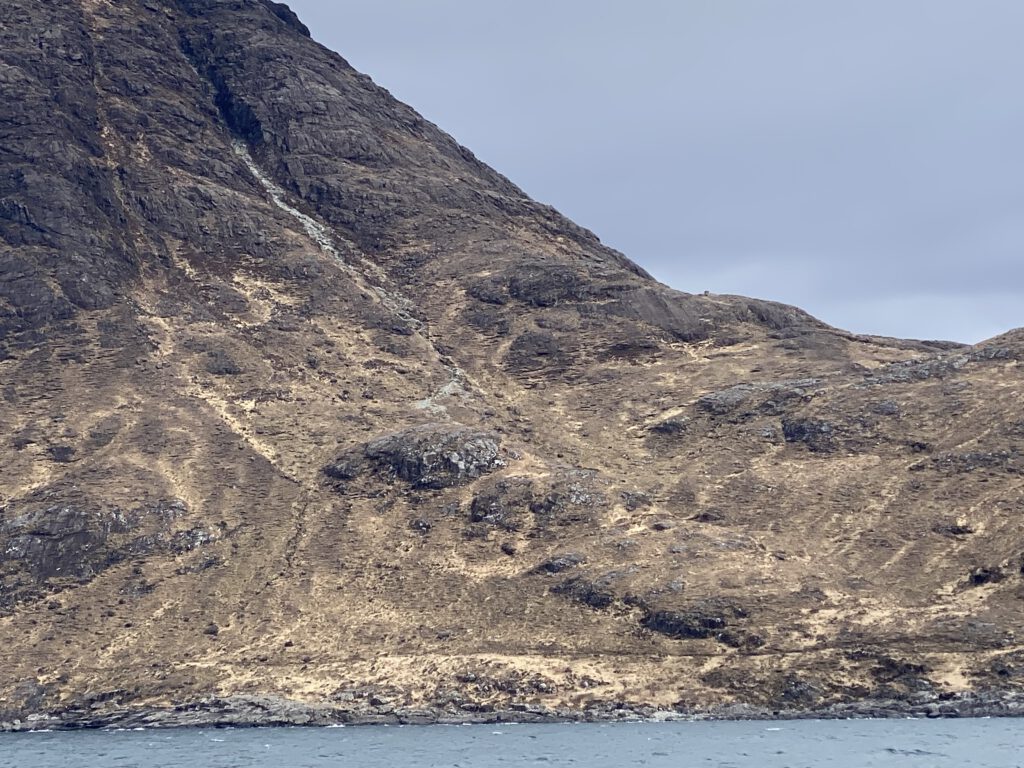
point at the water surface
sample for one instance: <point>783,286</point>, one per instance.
<point>995,743</point>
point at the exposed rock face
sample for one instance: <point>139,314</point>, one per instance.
<point>53,540</point>
<point>426,456</point>
<point>310,415</point>
<point>505,503</point>
<point>710,618</point>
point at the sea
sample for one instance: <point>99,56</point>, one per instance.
<point>995,743</point>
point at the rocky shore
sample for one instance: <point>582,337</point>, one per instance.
<point>269,711</point>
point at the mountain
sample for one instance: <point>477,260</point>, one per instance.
<point>311,416</point>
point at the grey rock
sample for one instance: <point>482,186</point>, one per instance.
<point>766,397</point>
<point>670,427</point>
<point>57,536</point>
<point>886,408</point>
<point>504,504</point>
<point>590,593</point>
<point>706,619</point>
<point>425,456</point>
<point>560,563</point>
<point>817,434</point>
<point>1010,461</point>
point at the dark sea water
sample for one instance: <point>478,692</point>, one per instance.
<point>998,743</point>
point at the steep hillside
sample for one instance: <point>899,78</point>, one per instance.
<point>309,416</point>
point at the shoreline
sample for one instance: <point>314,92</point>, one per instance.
<point>270,711</point>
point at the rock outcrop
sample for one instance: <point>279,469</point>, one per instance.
<point>425,456</point>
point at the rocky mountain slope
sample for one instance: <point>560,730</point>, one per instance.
<point>310,415</point>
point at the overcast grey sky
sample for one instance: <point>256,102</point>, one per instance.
<point>862,159</point>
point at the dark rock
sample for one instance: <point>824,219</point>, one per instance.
<point>1008,666</point>
<point>782,316</point>
<point>420,525</point>
<point>635,350</point>
<point>545,285</point>
<point>489,291</point>
<point>534,351</point>
<point>179,542</point>
<point>61,540</point>
<point>680,316</point>
<point>504,504</point>
<point>670,427</point>
<point>30,697</point>
<point>425,456</point>
<point>886,408</point>
<point>797,691</point>
<point>985,575</point>
<point>956,528</point>
<point>105,431</point>
<point>706,619</point>
<point>62,453</point>
<point>571,498</point>
<point>940,367</point>
<point>634,500</point>
<point>346,467</point>
<point>590,593</point>
<point>768,398</point>
<point>685,624</point>
<point>488,320</point>
<point>47,544</point>
<point>220,363</point>
<point>818,435</point>
<point>1009,461</point>
<point>747,641</point>
<point>560,563</point>
<point>287,15</point>
<point>896,674</point>
<point>211,629</point>
<point>709,516</point>
<point>727,400</point>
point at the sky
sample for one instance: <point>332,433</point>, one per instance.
<point>861,159</point>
